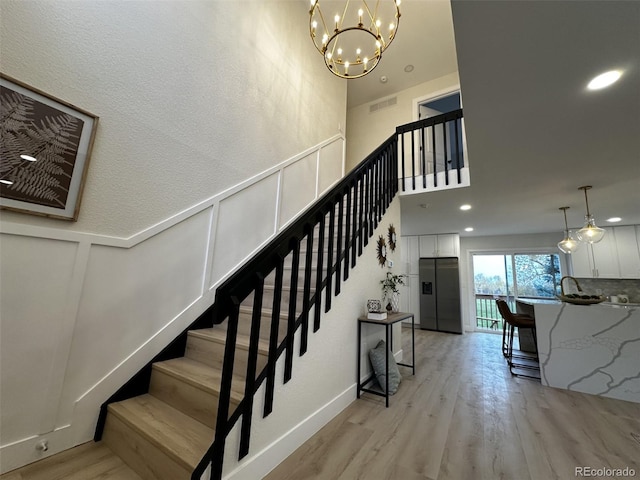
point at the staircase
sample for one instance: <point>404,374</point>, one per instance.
<point>165,431</point>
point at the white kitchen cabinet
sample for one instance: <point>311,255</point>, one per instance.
<point>428,246</point>
<point>446,245</point>
<point>617,255</point>
<point>582,262</point>
<point>627,240</point>
<point>606,257</point>
<point>413,255</point>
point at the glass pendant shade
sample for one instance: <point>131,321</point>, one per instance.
<point>590,233</point>
<point>568,244</point>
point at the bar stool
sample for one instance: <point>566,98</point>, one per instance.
<point>525,361</point>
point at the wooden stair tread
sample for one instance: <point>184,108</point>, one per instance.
<point>219,334</point>
<point>180,436</point>
<point>199,375</point>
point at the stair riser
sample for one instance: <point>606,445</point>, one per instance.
<point>212,353</point>
<point>195,402</point>
<point>267,299</point>
<point>142,456</point>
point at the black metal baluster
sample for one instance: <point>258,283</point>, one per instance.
<point>361,214</point>
<point>306,296</point>
<point>332,226</point>
<point>413,160</point>
<point>252,361</point>
<point>422,159</point>
<point>377,191</point>
<point>457,150</point>
<point>444,147</point>
<point>434,155</point>
<point>293,298</point>
<point>364,234</point>
<point>225,383</point>
<point>318,296</point>
<point>339,242</point>
<point>347,229</point>
<point>354,240</point>
<point>402,160</point>
<point>273,338</point>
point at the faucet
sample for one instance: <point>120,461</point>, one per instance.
<point>574,280</point>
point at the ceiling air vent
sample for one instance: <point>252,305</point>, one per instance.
<point>383,104</point>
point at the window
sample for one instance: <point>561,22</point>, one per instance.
<point>509,276</point>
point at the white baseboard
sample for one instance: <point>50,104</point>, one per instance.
<point>270,457</point>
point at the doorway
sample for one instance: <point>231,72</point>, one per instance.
<point>432,145</point>
<point>511,276</point>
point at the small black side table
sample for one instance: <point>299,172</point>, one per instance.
<point>388,323</point>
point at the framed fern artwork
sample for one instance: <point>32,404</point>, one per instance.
<point>45,146</point>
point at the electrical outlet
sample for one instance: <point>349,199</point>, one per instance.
<point>390,263</point>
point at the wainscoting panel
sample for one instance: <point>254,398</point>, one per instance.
<point>81,313</point>
<point>129,296</point>
<point>330,166</point>
<point>35,278</point>
<point>245,221</point>
<point>298,187</point>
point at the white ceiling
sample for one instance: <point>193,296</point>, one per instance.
<point>534,133</point>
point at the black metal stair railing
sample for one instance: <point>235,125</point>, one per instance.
<point>338,226</point>
<point>430,146</point>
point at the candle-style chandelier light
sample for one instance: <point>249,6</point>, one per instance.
<point>352,35</point>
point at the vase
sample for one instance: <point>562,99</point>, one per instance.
<point>393,302</point>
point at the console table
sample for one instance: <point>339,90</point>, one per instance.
<point>388,323</point>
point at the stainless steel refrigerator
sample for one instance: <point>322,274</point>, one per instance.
<point>440,295</point>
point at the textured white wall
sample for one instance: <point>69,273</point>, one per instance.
<point>193,96</point>
<point>366,131</point>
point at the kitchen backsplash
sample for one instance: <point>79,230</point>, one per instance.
<point>612,286</point>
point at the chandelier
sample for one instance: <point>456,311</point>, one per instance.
<point>568,244</point>
<point>351,36</point>
<point>590,233</point>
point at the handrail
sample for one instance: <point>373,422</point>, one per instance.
<point>366,192</point>
<point>358,201</point>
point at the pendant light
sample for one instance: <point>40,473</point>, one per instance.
<point>590,233</point>
<point>568,244</point>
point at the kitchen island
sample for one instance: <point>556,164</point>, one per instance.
<point>589,348</point>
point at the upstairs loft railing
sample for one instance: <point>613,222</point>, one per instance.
<point>316,252</point>
<point>431,153</point>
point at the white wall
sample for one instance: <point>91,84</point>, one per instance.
<point>193,96</point>
<point>193,99</point>
<point>324,379</point>
<point>499,244</point>
<point>366,131</point>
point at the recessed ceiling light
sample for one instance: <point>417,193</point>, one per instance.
<point>614,219</point>
<point>28,158</point>
<point>468,229</point>
<point>604,80</point>
<point>408,68</point>
<point>6,182</point>
<point>465,207</point>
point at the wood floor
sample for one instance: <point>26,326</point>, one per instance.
<point>463,416</point>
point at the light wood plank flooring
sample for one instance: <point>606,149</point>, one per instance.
<point>463,416</point>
